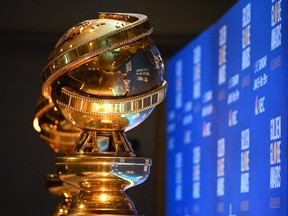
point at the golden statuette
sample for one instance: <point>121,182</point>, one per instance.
<point>104,77</point>
<point>61,136</point>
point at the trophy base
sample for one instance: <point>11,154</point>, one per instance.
<point>102,182</point>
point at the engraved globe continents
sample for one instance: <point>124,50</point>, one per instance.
<point>106,74</point>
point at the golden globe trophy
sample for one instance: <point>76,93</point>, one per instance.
<point>61,136</point>
<point>105,76</point>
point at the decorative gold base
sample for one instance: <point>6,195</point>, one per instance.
<point>102,182</point>
<point>56,187</point>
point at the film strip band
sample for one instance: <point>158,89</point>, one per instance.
<point>71,100</point>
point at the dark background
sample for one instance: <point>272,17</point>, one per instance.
<point>29,30</point>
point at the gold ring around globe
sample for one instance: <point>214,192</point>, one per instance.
<point>77,55</point>
<point>106,107</point>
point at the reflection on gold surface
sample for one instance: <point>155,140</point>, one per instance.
<point>104,76</point>
<point>53,127</point>
<point>67,192</point>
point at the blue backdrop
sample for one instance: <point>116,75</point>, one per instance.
<point>227,116</point>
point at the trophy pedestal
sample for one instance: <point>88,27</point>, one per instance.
<point>56,187</point>
<point>102,182</point>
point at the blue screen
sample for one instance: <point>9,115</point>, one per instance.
<point>227,116</point>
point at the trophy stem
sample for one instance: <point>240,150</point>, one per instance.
<point>103,143</point>
<point>102,182</point>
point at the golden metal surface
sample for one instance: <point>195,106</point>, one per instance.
<point>108,114</point>
<point>108,107</point>
<point>56,187</point>
<point>91,38</point>
<point>103,143</point>
<point>107,71</point>
<point>105,76</point>
<point>53,127</point>
<point>102,182</point>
